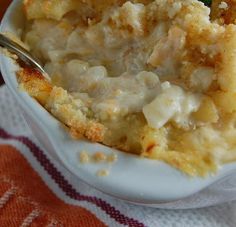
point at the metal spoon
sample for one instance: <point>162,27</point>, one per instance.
<point>23,54</point>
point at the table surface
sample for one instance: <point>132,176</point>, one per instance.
<point>3,5</point>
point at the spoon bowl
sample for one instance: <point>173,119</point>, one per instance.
<point>25,57</point>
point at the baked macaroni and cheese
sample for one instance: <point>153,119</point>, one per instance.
<point>152,77</point>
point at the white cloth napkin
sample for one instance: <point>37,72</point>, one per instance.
<point>218,216</point>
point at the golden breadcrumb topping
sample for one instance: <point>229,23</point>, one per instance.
<point>224,12</point>
<point>84,157</point>
<point>103,173</point>
<point>153,77</point>
<point>99,157</point>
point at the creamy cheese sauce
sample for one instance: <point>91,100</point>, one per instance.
<point>172,104</point>
<point>118,70</point>
<point>158,75</point>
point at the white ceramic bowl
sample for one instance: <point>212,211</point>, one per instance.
<point>134,179</point>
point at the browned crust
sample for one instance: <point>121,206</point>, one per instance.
<point>35,84</point>
<point>60,104</point>
<point>224,16</point>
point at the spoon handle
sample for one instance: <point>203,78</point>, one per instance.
<point>21,52</point>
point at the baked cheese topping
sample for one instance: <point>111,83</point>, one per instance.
<point>158,75</point>
<point>119,62</point>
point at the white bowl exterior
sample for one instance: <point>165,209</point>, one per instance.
<point>137,180</point>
